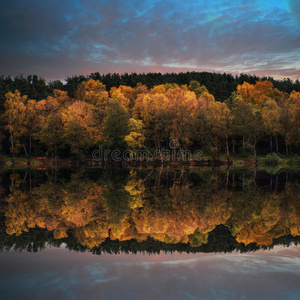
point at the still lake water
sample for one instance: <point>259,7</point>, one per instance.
<point>142,234</point>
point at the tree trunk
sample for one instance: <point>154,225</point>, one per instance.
<point>255,151</point>
<point>55,155</point>
<point>30,145</point>
<point>227,178</point>
<point>227,150</point>
<point>12,144</point>
<point>25,149</point>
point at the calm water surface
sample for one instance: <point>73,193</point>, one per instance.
<point>142,235</point>
<point>60,274</point>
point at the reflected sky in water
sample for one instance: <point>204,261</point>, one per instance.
<point>204,212</point>
<point>61,274</point>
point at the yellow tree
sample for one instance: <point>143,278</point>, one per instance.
<point>140,89</point>
<point>127,91</point>
<point>294,104</point>
<point>167,113</point>
<point>92,92</point>
<point>203,124</point>
<point>181,105</point>
<point>135,139</point>
<point>31,123</point>
<point>256,94</point>
<point>44,119</point>
<point>150,108</point>
<point>61,97</point>
<point>51,126</point>
<point>15,114</point>
<point>118,96</point>
<point>22,121</point>
<point>80,129</point>
<point>158,89</point>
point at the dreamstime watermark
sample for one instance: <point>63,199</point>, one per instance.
<point>172,154</point>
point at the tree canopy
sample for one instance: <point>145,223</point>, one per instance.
<point>255,117</point>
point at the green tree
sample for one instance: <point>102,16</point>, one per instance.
<point>246,123</point>
<point>271,118</point>
<point>116,126</point>
<point>197,88</point>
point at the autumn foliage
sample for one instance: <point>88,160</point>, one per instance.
<point>254,118</point>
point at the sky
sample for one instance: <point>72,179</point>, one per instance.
<point>55,39</point>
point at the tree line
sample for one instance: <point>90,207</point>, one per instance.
<point>256,118</point>
<point>219,85</point>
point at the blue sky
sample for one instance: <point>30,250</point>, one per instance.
<point>55,39</point>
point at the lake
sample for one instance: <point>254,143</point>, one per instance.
<point>150,234</point>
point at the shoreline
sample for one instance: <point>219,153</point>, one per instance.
<point>46,163</point>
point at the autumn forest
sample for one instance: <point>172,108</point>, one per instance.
<point>250,117</point>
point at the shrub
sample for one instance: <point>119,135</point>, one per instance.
<point>271,160</point>
<point>293,163</point>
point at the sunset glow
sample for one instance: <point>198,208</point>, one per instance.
<point>55,39</point>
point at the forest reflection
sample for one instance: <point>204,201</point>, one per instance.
<point>117,210</point>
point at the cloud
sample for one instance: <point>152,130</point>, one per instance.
<point>294,6</point>
<point>56,40</point>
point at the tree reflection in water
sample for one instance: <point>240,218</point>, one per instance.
<point>131,211</point>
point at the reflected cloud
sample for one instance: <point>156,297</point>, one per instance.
<point>263,275</point>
